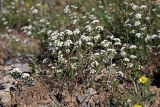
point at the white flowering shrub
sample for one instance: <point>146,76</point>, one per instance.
<point>81,35</point>
<point>105,40</point>
<point>82,47</point>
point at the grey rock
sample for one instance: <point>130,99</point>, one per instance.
<point>84,104</point>
<point>7,69</point>
<point>24,67</point>
<point>91,91</point>
<point>86,100</point>
<point>91,101</point>
<point>5,98</point>
<point>82,98</point>
<point>8,79</point>
<point>8,86</point>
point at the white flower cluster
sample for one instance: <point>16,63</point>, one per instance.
<point>87,42</point>
<point>19,71</point>
<point>152,37</point>
<point>27,29</point>
<point>16,70</point>
<point>83,42</point>
<point>34,10</point>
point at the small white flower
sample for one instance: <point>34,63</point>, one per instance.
<point>34,11</point>
<point>3,19</point>
<point>138,35</point>
<point>140,67</point>
<point>111,37</point>
<point>45,60</point>
<point>42,20</point>
<point>147,18</point>
<point>143,7</point>
<point>133,31</point>
<point>106,43</point>
<point>118,43</point>
<point>100,28</point>
<point>143,28</point>
<point>29,20</point>
<point>67,9</point>
<point>42,30</point>
<point>61,34</point>
<point>74,65</point>
<point>133,47</point>
<point>68,32</point>
<point>92,17</point>
<point>117,39</point>
<point>86,38</point>
<point>18,70</point>
<point>126,60</point>
<point>111,50</point>
<point>49,32</point>
<point>88,28</point>
<point>24,28</point>
<point>5,23</point>
<point>94,64</point>
<point>113,65</point>
<point>59,71</point>
<point>97,37</point>
<point>73,6</point>
<point>9,30</point>
<point>67,50</point>
<point>129,101</point>
<point>134,7</point>
<point>48,23</point>
<point>79,43</point>
<point>101,7</point>
<point>130,65</point>
<point>25,75</point>
<point>76,31</point>
<point>53,37</point>
<point>59,43</point>
<point>96,54</point>
<point>148,37</point>
<point>75,21</point>
<point>131,13</point>
<point>154,36</point>
<point>90,43</point>
<point>133,57</point>
<point>29,33</point>
<point>123,53</point>
<point>93,9</point>
<point>92,71</point>
<point>137,23</point>
<point>121,73</point>
<point>138,15</point>
<point>61,58</point>
<point>68,43</point>
<point>126,3</point>
<point>158,15</point>
<point>95,21</point>
<point>30,27</point>
<point>122,49</point>
<point>154,9</point>
<point>38,4</point>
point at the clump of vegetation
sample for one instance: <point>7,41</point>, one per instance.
<point>107,42</point>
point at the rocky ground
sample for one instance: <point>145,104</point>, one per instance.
<point>27,90</point>
<point>32,91</point>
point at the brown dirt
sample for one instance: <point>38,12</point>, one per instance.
<point>31,96</point>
